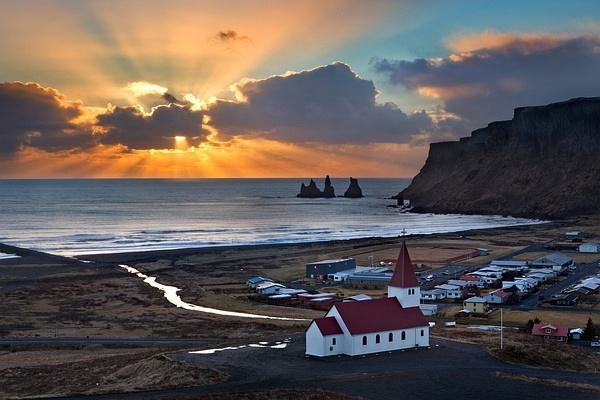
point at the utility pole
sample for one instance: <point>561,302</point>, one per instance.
<point>501,338</point>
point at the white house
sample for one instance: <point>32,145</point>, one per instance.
<point>267,288</point>
<point>451,291</point>
<point>433,294</point>
<point>589,248</point>
<point>377,325</point>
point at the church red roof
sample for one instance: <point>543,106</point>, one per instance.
<point>328,326</point>
<point>404,275</point>
<point>379,315</point>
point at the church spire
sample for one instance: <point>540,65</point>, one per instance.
<point>404,275</point>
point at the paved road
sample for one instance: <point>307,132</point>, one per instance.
<point>447,370</point>
<point>150,342</point>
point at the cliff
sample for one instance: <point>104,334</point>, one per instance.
<point>545,163</point>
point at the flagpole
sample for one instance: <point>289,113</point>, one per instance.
<point>501,338</point>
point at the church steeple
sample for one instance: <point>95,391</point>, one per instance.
<point>404,284</point>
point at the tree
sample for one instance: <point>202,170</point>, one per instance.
<point>589,332</point>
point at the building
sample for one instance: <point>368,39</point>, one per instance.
<point>433,294</point>
<point>499,297</point>
<point>589,248</point>
<point>557,261</point>
<point>369,280</point>
<point>568,300</point>
<point>377,325</point>
<point>255,280</point>
<point>510,264</point>
<point>429,310</point>
<point>557,333</point>
<point>321,269</point>
<point>476,305</point>
<point>451,291</point>
<point>268,288</point>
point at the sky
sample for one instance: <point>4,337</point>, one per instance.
<point>192,89</point>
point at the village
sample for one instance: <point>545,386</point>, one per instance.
<point>562,275</point>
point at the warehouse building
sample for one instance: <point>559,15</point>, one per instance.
<point>321,269</point>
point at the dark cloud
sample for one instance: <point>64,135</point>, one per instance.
<point>230,36</point>
<point>131,127</point>
<point>328,104</point>
<point>36,116</point>
<point>486,84</point>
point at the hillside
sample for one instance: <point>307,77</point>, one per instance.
<point>545,162</point>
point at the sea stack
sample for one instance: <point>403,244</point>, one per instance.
<point>328,190</point>
<point>310,191</point>
<point>354,191</point>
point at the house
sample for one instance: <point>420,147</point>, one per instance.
<point>499,297</point>
<point>429,310</point>
<point>519,265</point>
<point>476,304</point>
<point>322,269</point>
<point>557,333</point>
<point>377,325</point>
<point>589,247</point>
<point>255,280</point>
<point>358,297</point>
<point>268,288</point>
<point>451,291</point>
<point>575,334</point>
<point>568,300</point>
<point>433,294</point>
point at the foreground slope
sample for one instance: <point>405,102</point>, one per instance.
<point>545,162</point>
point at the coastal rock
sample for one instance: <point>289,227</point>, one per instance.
<point>312,190</point>
<point>328,190</point>
<point>354,191</point>
<point>543,163</point>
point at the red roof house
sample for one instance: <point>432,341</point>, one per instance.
<point>559,333</point>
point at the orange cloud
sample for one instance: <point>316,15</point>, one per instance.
<point>489,39</point>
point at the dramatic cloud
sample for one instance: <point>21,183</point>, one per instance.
<point>32,115</point>
<point>495,73</point>
<point>131,127</point>
<point>329,104</point>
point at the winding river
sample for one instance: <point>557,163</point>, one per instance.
<point>170,293</point>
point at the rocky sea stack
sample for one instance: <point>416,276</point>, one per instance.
<point>354,191</point>
<point>312,191</point>
<point>543,163</point>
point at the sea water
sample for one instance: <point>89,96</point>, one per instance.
<point>74,217</point>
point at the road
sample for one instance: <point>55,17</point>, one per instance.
<point>150,342</point>
<point>447,369</point>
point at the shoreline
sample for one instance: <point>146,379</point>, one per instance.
<point>356,243</point>
<point>140,255</point>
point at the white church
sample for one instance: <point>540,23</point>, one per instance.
<point>377,325</point>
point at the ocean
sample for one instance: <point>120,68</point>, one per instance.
<point>87,216</point>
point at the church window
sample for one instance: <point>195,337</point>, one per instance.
<point>377,339</point>
<point>403,335</point>
<point>333,341</point>
<point>391,337</point>
<point>364,340</point>
<point>422,332</point>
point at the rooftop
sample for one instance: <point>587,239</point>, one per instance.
<point>404,274</point>
<point>377,315</point>
<point>328,326</point>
